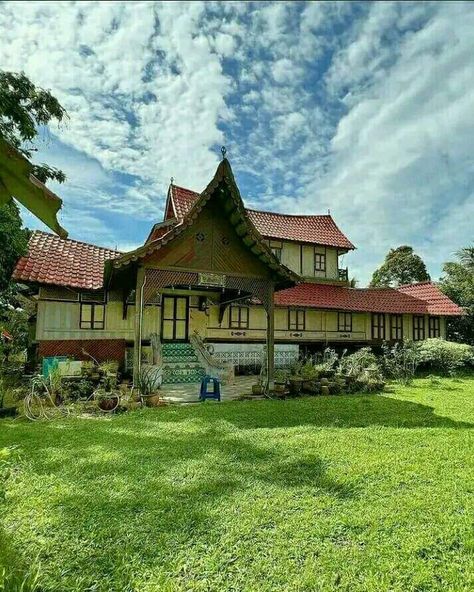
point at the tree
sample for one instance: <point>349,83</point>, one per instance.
<point>13,242</point>
<point>458,284</point>
<point>401,266</point>
<point>23,108</point>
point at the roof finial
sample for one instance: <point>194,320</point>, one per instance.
<point>223,151</point>
<point>171,180</point>
<point>329,211</point>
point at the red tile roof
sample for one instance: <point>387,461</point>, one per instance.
<point>388,300</point>
<point>438,303</point>
<point>52,260</point>
<point>321,230</point>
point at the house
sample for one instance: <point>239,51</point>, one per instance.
<point>235,278</point>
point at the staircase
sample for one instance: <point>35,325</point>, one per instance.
<point>180,363</point>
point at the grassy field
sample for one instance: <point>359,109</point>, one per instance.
<point>360,493</point>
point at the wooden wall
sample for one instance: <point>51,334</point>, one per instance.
<point>60,320</point>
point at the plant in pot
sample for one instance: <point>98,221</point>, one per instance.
<point>107,395</point>
<point>295,379</point>
<point>281,381</point>
<point>309,374</point>
<point>257,388</point>
<point>148,383</point>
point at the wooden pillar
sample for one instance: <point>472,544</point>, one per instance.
<point>139,296</point>
<point>270,341</point>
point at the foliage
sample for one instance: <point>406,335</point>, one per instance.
<point>445,356</point>
<point>75,390</point>
<point>13,244</point>
<point>401,266</point>
<point>458,284</point>
<point>400,361</point>
<point>24,109</point>
<point>309,371</point>
<point>358,362</point>
<point>281,376</point>
<point>147,380</point>
<point>362,493</point>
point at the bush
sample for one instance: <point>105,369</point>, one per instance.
<point>444,356</point>
<point>400,361</point>
<point>358,362</point>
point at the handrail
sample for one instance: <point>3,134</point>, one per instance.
<point>211,365</point>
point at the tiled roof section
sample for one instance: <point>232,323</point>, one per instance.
<point>388,300</point>
<point>438,303</point>
<point>183,200</point>
<point>60,262</point>
<point>321,230</point>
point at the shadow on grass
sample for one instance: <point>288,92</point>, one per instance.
<point>337,411</point>
<point>135,493</point>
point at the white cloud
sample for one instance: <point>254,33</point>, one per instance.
<point>365,109</point>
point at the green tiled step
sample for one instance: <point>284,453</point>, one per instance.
<point>180,364</point>
<point>182,373</point>
<point>175,359</point>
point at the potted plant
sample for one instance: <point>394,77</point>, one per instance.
<point>257,389</point>
<point>107,395</point>
<point>281,380</point>
<point>149,382</point>
<point>107,401</point>
<point>309,374</point>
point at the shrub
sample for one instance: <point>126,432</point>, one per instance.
<point>444,356</point>
<point>400,361</point>
<point>356,363</point>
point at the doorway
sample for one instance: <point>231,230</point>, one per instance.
<point>174,318</point>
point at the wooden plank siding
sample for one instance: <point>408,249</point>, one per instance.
<point>60,320</point>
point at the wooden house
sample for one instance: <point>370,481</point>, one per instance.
<point>235,277</point>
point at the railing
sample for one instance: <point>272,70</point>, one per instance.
<point>212,366</point>
<point>343,274</point>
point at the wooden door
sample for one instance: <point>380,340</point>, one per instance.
<point>174,318</point>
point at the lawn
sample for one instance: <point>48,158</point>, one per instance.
<point>359,493</point>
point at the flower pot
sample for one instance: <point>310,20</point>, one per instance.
<point>295,386</point>
<point>108,404</point>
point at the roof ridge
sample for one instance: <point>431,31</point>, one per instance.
<point>291,215</point>
<point>73,240</point>
<point>173,185</point>
<point>424,283</point>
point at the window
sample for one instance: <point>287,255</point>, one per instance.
<point>239,317</point>
<point>378,326</point>
<point>277,252</point>
<point>344,321</point>
<point>434,327</point>
<point>396,327</point>
<point>319,261</point>
<point>296,319</point>
<point>418,328</point>
<point>92,316</point>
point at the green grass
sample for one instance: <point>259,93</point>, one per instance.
<point>327,493</point>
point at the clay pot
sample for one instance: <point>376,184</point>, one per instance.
<point>109,404</point>
<point>295,385</point>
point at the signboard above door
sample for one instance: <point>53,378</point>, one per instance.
<point>212,280</point>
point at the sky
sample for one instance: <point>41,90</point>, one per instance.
<point>363,109</point>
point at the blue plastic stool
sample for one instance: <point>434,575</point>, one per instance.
<point>215,393</point>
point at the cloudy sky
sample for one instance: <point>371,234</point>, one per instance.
<point>366,109</point>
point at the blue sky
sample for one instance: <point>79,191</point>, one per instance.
<point>365,109</point>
